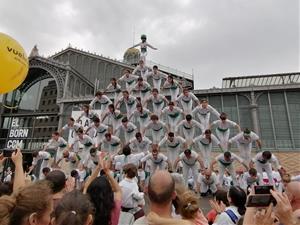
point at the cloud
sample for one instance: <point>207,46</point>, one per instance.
<point>212,38</point>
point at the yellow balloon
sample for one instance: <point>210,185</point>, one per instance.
<point>13,64</point>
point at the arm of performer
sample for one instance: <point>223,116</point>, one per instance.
<point>150,46</point>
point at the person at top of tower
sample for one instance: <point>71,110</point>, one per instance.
<point>143,45</point>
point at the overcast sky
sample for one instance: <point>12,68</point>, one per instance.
<point>212,38</point>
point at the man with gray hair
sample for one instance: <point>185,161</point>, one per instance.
<point>161,192</point>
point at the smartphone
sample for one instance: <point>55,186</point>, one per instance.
<point>7,153</point>
<point>260,200</point>
<point>263,189</point>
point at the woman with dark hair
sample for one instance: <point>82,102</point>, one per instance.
<point>28,205</point>
<point>230,215</point>
<point>74,208</point>
<point>105,193</point>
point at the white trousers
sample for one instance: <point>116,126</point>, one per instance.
<point>157,108</point>
<point>157,136</point>
<point>204,187</point>
<point>245,152</point>
<point>205,151</point>
<point>156,83</point>
<point>204,120</point>
<point>187,106</point>
<point>174,93</point>
<point>185,172</point>
<point>223,138</point>
<point>173,154</point>
<point>230,169</point>
<point>188,134</point>
<point>267,167</point>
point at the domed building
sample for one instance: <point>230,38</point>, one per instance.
<point>132,56</point>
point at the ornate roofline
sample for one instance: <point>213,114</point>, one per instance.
<point>89,54</point>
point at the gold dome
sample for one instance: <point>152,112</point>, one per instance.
<point>132,56</point>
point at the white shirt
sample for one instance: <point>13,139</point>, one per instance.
<point>177,141</point>
<point>188,98</point>
<point>61,142</point>
<point>132,158</point>
<point>103,100</point>
<point>224,126</point>
<point>220,158</point>
<point>158,100</point>
<point>224,219</point>
<point>130,101</point>
<point>41,155</point>
<point>130,79</point>
<point>204,111</point>
<point>142,146</point>
<point>173,114</point>
<point>114,142</point>
<point>75,127</point>
<point>85,140</point>
<point>130,193</point>
<point>241,139</point>
<point>156,126</point>
<point>204,141</point>
<point>192,125</point>
<point>129,129</point>
<point>212,179</point>
<point>160,158</point>
<point>144,115</point>
<point>189,161</point>
<point>259,158</point>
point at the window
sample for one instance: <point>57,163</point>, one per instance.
<point>49,101</point>
<point>54,101</point>
<point>57,118</point>
<point>43,103</point>
<point>52,110</point>
<point>50,129</point>
<point>51,92</point>
<point>46,120</point>
<point>51,118</point>
<point>44,129</point>
<point>46,93</point>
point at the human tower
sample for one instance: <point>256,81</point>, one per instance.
<point>139,124</point>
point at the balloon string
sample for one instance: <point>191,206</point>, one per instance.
<point>11,107</point>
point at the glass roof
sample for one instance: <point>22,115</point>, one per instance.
<point>261,80</point>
